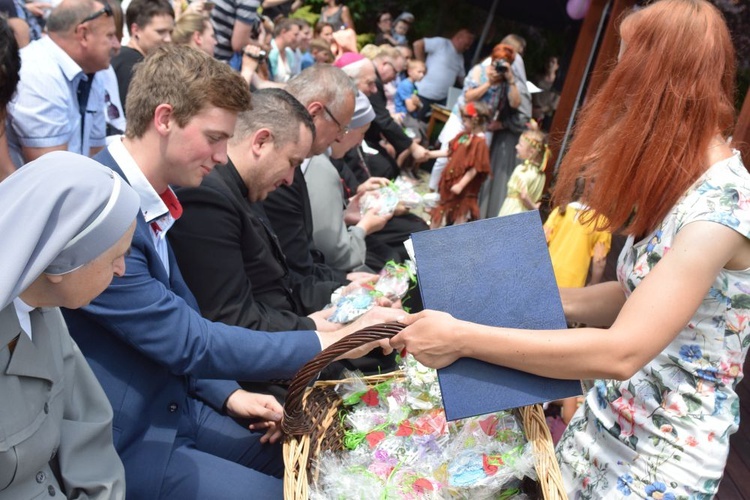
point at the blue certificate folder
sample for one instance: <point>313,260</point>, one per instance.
<point>495,272</point>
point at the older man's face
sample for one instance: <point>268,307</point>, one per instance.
<point>100,42</point>
<point>327,131</point>
<point>366,80</point>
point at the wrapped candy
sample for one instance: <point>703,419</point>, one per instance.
<point>383,200</point>
<point>386,198</point>
<point>352,302</point>
<point>400,446</point>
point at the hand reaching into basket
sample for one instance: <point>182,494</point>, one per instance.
<point>374,316</point>
<point>321,320</point>
<point>244,404</point>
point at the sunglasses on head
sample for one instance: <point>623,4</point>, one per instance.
<point>106,11</point>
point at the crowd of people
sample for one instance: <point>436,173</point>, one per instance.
<point>182,186</point>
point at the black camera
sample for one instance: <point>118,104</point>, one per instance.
<point>255,28</point>
<point>500,66</point>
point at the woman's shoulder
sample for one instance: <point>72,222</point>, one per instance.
<point>725,177</point>
<point>722,195</point>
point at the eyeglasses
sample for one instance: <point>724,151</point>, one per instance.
<point>393,67</point>
<point>106,11</point>
<point>112,112</point>
<point>342,130</point>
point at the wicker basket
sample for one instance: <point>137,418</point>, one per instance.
<point>311,423</point>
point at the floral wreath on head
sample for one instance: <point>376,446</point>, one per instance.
<point>541,147</point>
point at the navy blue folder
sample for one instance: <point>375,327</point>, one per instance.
<point>495,272</point>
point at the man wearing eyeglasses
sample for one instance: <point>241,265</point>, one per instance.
<point>59,103</point>
<point>328,95</point>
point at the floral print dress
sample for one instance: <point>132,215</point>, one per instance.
<point>664,434</point>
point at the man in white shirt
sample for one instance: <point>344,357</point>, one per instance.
<point>59,104</point>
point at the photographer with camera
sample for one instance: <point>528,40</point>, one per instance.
<point>512,113</point>
<point>492,82</point>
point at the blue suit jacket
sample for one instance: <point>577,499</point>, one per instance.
<point>148,345</point>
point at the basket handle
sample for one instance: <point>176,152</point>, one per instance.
<point>294,422</point>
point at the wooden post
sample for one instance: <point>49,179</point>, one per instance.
<point>575,76</point>
<point>741,137</point>
<point>610,46</point>
<point>605,60</point>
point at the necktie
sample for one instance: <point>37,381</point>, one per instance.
<point>84,89</point>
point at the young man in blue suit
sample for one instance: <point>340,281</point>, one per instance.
<point>168,372</point>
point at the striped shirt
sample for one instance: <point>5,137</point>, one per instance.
<point>223,16</point>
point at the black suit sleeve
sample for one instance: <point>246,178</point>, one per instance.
<point>384,124</point>
<point>207,243</point>
<point>288,210</point>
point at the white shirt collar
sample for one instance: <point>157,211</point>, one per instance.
<point>22,313</point>
<point>304,165</point>
<point>152,205</point>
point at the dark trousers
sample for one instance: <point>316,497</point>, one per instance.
<point>214,457</point>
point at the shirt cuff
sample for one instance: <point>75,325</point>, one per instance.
<point>320,341</point>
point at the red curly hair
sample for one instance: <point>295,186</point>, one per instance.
<point>643,139</point>
<point>503,51</point>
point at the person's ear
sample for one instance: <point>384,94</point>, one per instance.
<point>54,279</point>
<point>80,32</point>
<point>134,32</point>
<point>163,122</point>
<point>315,108</point>
<point>262,139</point>
<point>198,38</point>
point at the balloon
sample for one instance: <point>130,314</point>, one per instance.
<point>577,9</point>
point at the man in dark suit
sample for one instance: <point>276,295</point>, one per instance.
<point>246,281</point>
<point>370,76</point>
<point>328,95</point>
<point>145,340</point>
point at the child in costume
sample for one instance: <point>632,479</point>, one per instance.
<point>526,184</point>
<point>468,166</point>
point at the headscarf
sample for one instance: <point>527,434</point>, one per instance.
<point>59,212</point>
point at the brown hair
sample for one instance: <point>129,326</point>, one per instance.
<point>479,112</point>
<point>140,12</point>
<point>319,45</point>
<point>319,27</point>
<point>188,80</point>
<point>643,138</point>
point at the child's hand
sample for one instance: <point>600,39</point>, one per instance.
<point>456,189</point>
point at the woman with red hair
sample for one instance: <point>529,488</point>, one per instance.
<point>491,82</point>
<point>667,341</point>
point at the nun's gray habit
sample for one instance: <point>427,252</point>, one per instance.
<point>58,213</point>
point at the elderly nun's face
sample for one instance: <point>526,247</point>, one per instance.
<point>78,288</point>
